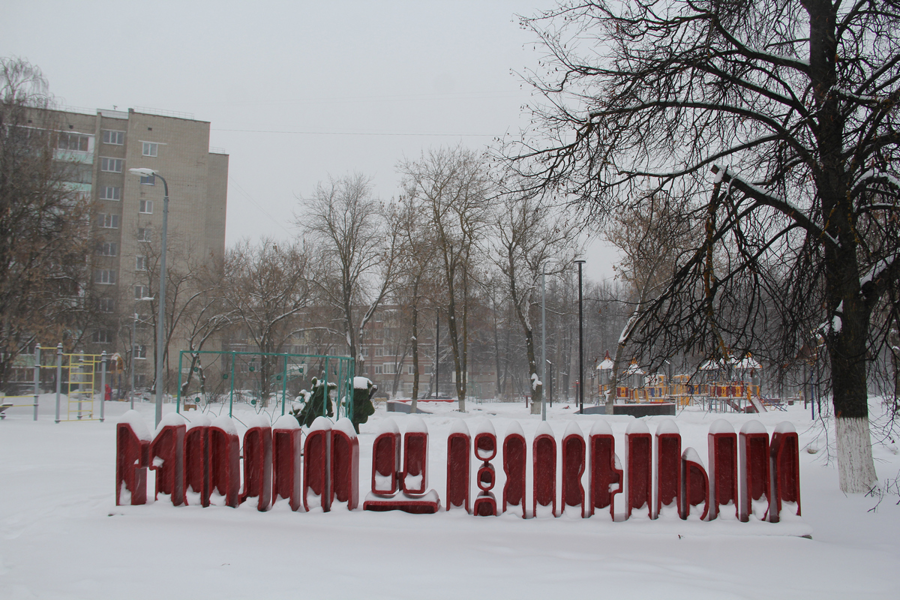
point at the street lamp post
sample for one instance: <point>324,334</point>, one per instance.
<point>160,328</point>
<point>543,345</point>
<point>580,262</point>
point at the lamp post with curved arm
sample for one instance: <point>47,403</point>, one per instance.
<point>160,326</point>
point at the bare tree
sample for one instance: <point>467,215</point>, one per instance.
<point>416,275</point>
<point>532,238</point>
<point>45,232</point>
<point>267,287</point>
<point>454,188</point>
<point>792,104</point>
<point>651,236</point>
<point>358,250</point>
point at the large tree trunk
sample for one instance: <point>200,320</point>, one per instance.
<point>856,467</point>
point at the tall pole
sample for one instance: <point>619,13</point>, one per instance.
<point>580,342</point>
<point>103,359</point>
<point>37,378</point>
<point>133,354</point>
<point>543,345</point>
<point>161,328</point>
<point>437,352</point>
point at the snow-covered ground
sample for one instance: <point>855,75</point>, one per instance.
<point>61,535</point>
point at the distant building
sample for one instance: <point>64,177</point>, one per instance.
<point>128,220</point>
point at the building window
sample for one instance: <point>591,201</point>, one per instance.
<point>102,336</point>
<point>117,138</point>
<point>389,369</point>
<point>107,249</point>
<point>379,352</point>
<point>150,148</point>
<point>105,276</point>
<point>410,370</point>
<point>111,165</point>
<point>106,305</point>
<point>110,192</point>
<point>379,369</point>
<point>363,351</point>
<point>146,207</point>
<point>140,351</point>
<point>148,180</point>
<point>109,221</point>
<point>142,292</point>
<point>73,141</point>
<point>144,234</point>
<point>140,263</point>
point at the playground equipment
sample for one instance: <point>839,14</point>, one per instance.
<point>717,386</point>
<point>78,376</point>
<point>259,379</point>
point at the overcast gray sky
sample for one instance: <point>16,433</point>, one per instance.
<point>294,91</point>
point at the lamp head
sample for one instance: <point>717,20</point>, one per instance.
<point>143,172</point>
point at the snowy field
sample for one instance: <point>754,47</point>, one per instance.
<point>62,536</point>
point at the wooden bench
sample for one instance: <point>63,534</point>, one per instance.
<point>189,405</point>
<point>3,408</point>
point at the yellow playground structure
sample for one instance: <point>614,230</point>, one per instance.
<point>79,381</point>
<point>717,386</point>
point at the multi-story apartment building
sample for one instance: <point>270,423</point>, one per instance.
<point>128,219</point>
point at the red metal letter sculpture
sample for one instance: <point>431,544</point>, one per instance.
<point>458,465</point>
<point>287,460</point>
<point>694,485</point>
<point>668,468</point>
<point>639,461</point>
<point>386,475</point>
<point>317,464</point>
<point>196,459</point>
<point>723,481</point>
<point>606,471</point>
<point>784,473</point>
<point>485,477</point>
<point>258,463</point>
<point>544,473</point>
<point>515,459</point>
<point>573,459</point>
<point>225,460</point>
<point>132,456</point>
<point>753,470</point>
<point>167,458</point>
<point>345,463</point>
<point>415,457</point>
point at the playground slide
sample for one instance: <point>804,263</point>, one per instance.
<point>754,401</point>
